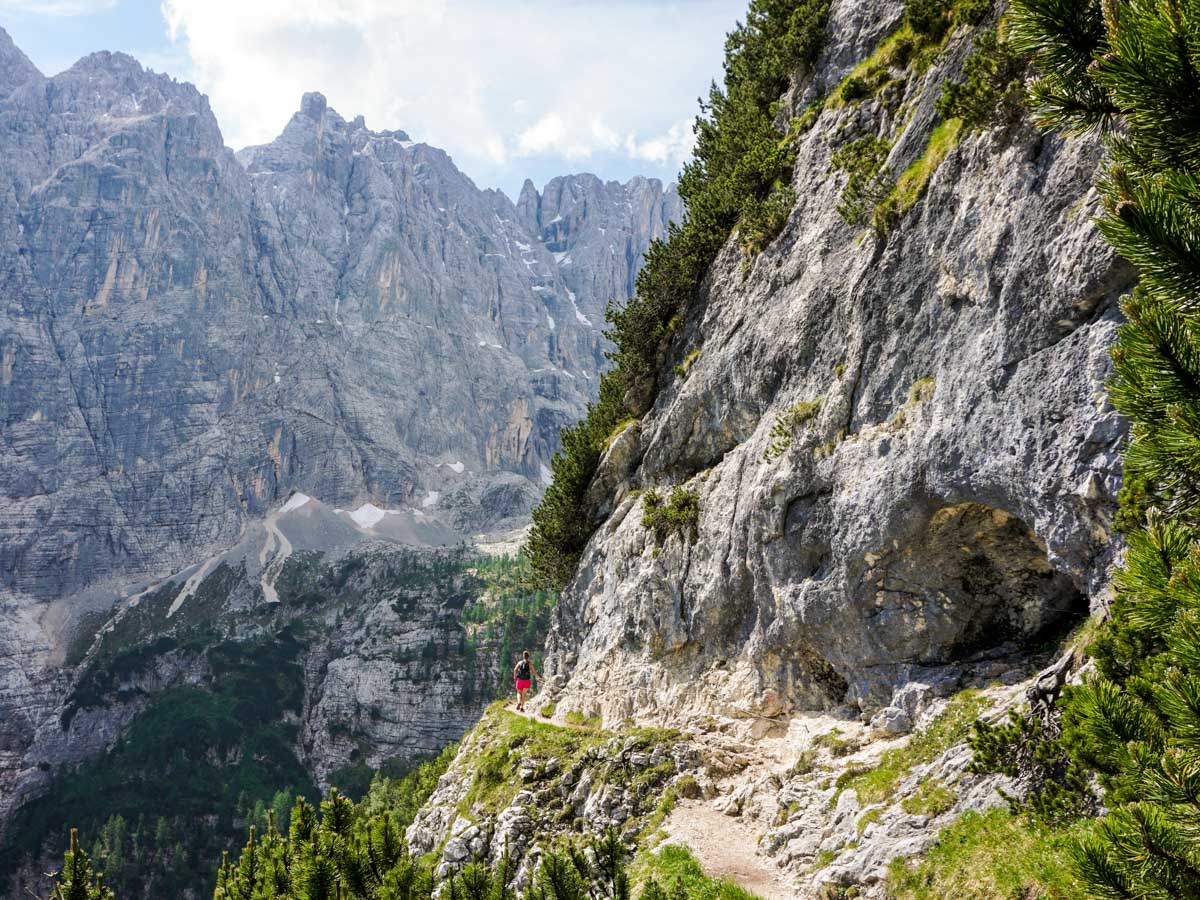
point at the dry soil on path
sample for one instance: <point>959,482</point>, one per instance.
<point>726,848</point>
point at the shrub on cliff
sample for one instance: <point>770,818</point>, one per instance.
<point>870,181</point>
<point>680,514</point>
<point>993,92</point>
<point>928,18</point>
<point>739,177</point>
<point>1128,71</point>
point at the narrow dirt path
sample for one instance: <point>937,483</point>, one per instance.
<point>530,712</point>
<point>726,848</point>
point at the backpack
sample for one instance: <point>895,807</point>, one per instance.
<point>523,670</point>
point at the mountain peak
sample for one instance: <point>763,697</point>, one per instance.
<point>15,67</point>
<point>120,64</point>
<point>313,104</point>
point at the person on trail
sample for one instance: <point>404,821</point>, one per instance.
<point>523,675</point>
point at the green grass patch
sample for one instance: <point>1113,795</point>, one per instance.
<point>931,798</point>
<point>1083,635</point>
<point>676,872</point>
<point>894,51</point>
<point>516,738</point>
<point>652,827</point>
<point>911,184</point>
<point>915,44</point>
<point>920,391</point>
<point>783,432</point>
<point>835,743</point>
<point>805,763</point>
<point>988,855</point>
<point>685,367</point>
<point>579,720</point>
<point>952,727</point>
<point>824,858</point>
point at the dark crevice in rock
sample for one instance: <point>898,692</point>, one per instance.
<point>974,577</point>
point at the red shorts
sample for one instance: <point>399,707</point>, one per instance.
<point>524,684</point>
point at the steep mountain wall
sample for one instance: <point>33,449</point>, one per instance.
<point>186,338</point>
<point>953,491</point>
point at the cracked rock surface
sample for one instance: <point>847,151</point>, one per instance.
<point>954,490</point>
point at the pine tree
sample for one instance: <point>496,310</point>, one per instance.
<point>1127,69</point>
<point>344,852</point>
<point>78,880</point>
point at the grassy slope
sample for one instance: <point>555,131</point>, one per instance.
<point>992,856</point>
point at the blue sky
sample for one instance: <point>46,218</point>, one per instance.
<point>510,88</point>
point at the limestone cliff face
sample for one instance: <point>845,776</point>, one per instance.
<point>186,338</point>
<point>955,488</point>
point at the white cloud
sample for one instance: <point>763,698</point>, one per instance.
<point>494,145</point>
<point>501,86</point>
<point>675,146</point>
<point>58,8</point>
<point>585,140</point>
<point>547,133</point>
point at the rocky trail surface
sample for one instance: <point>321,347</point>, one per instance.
<point>793,806</point>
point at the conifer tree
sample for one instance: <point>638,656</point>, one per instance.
<point>1127,69</point>
<point>78,880</point>
<point>348,852</point>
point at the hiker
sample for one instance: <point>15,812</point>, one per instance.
<point>523,675</point>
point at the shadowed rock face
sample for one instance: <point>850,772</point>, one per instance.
<point>955,490</point>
